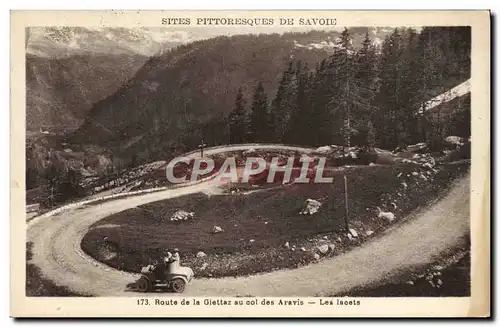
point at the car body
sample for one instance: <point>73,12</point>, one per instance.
<point>173,279</point>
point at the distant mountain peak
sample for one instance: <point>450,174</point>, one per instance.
<point>58,42</point>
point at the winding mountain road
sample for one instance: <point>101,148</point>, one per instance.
<point>57,252</point>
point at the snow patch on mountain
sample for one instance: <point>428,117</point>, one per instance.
<point>325,45</point>
<point>331,46</point>
<point>65,41</point>
<point>377,42</point>
<point>456,92</point>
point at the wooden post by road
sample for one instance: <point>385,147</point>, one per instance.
<point>201,146</point>
<point>346,205</point>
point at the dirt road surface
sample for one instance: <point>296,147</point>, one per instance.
<point>212,151</point>
<point>58,254</point>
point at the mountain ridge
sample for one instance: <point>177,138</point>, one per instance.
<point>203,75</point>
<point>60,42</point>
<point>60,91</point>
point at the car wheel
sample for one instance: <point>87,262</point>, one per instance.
<point>143,285</point>
<point>178,285</point>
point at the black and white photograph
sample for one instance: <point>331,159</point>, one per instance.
<point>237,158</point>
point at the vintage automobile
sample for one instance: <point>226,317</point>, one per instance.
<point>171,277</point>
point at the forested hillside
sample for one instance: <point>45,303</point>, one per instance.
<point>177,97</point>
<point>68,69</point>
<point>357,93</point>
<point>362,97</point>
<point>267,88</point>
<point>187,93</point>
<point>61,91</point>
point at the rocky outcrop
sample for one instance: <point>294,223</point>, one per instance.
<point>310,207</point>
<point>217,230</point>
<point>181,215</point>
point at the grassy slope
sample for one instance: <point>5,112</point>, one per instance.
<point>140,234</point>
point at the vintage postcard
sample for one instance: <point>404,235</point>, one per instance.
<point>250,164</point>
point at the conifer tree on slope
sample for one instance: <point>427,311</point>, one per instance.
<point>259,118</point>
<point>300,125</point>
<point>407,113</point>
<point>429,74</point>
<point>346,100</point>
<point>238,128</point>
<point>389,97</point>
<point>366,66</point>
<point>320,117</point>
<point>366,75</point>
<point>284,103</point>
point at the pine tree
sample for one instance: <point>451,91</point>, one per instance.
<point>367,75</point>
<point>300,124</point>
<point>259,118</point>
<point>321,120</point>
<point>349,97</point>
<point>215,131</point>
<point>366,62</point>
<point>368,136</point>
<point>370,97</point>
<point>238,121</point>
<point>390,98</point>
<point>408,128</point>
<point>442,59</point>
<point>284,104</point>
